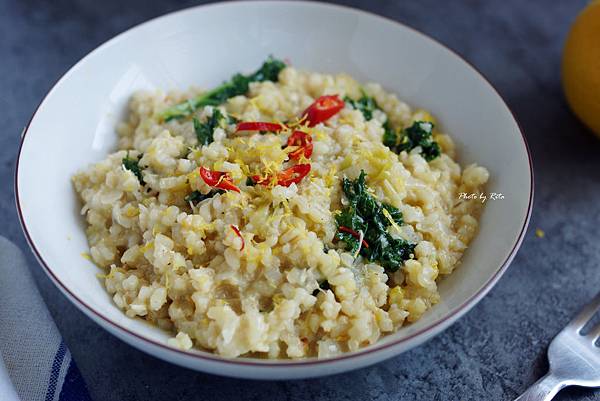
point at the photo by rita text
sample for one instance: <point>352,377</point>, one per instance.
<point>483,197</point>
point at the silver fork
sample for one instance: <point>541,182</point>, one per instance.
<point>574,358</point>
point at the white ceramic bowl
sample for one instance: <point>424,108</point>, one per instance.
<point>74,126</point>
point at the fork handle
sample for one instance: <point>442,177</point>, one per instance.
<point>544,389</point>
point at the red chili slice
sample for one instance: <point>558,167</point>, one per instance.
<point>304,143</point>
<point>237,232</point>
<point>261,180</point>
<point>287,177</point>
<point>293,175</point>
<point>354,234</point>
<point>259,126</point>
<point>218,179</point>
<point>323,109</point>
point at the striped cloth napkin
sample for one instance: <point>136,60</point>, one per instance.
<point>35,364</point>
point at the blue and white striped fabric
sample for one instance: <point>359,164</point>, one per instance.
<point>35,364</point>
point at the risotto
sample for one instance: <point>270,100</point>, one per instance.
<point>283,214</point>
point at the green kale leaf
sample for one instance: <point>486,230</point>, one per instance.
<point>231,120</point>
<point>366,214</point>
<point>365,104</point>
<point>419,134</point>
<point>133,165</point>
<point>323,285</point>
<point>196,196</point>
<point>390,137</point>
<point>204,131</point>
<point>238,85</point>
<point>351,219</point>
<point>394,213</point>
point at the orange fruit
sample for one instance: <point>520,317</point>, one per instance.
<point>581,66</point>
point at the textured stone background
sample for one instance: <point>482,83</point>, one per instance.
<point>494,352</point>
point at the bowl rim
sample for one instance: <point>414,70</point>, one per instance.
<point>433,328</point>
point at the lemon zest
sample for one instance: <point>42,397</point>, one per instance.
<point>330,176</point>
<point>147,246</point>
<point>347,162</point>
<point>303,159</point>
<point>360,242</point>
<point>243,166</point>
<point>106,276</point>
<point>391,219</point>
<point>167,283</point>
<point>131,211</point>
<point>395,295</point>
<point>278,299</point>
<point>298,121</point>
<point>319,135</point>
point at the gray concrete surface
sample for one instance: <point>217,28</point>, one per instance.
<point>494,352</point>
